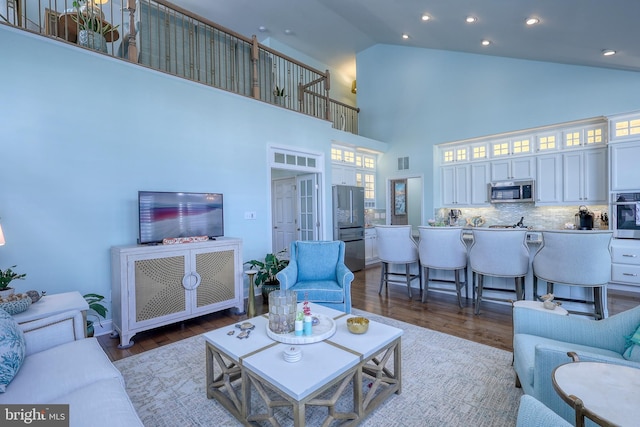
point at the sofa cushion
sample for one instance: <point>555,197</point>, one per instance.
<point>319,291</point>
<point>633,351</point>
<point>12,349</point>
<point>526,354</point>
<point>111,407</point>
<point>317,260</point>
<point>52,373</point>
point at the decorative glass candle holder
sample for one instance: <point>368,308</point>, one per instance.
<point>282,311</point>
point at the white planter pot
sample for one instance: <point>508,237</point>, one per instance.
<point>92,40</point>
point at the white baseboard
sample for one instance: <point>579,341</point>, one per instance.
<point>105,329</point>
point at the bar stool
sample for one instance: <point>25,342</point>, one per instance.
<point>442,248</point>
<point>575,258</point>
<point>396,246</point>
<point>500,253</point>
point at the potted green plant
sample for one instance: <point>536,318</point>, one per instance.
<point>267,270</point>
<point>93,30</point>
<point>6,277</point>
<point>96,309</point>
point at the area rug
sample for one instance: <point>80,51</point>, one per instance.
<point>446,381</point>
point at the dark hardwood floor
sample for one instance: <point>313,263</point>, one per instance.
<point>441,313</point>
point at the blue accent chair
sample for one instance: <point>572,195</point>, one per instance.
<point>541,341</point>
<point>316,269</point>
<point>532,413</point>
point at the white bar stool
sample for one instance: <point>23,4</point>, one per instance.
<point>442,248</point>
<point>500,253</point>
<point>575,258</point>
<point>396,246</point>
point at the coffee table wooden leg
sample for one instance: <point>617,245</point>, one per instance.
<point>384,382</point>
<point>220,386</point>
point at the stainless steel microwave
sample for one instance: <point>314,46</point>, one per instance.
<point>511,191</point>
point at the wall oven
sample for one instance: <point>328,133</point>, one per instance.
<point>625,211</point>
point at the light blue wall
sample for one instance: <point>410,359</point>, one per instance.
<point>416,98</point>
<point>81,133</point>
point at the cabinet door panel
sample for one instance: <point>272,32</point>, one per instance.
<point>549,179</point>
<point>500,170</point>
<point>479,181</point>
<point>523,168</point>
<point>572,177</point>
<point>625,173</point>
<point>595,173</point>
<point>448,185</point>
<point>218,281</point>
<point>158,292</point>
<point>463,181</point>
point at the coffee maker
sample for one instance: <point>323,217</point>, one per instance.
<point>454,214</point>
<point>584,218</point>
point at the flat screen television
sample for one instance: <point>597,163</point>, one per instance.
<point>167,215</point>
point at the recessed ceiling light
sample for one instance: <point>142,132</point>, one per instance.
<point>471,19</point>
<point>288,32</point>
<point>425,17</point>
<point>608,52</point>
<point>532,21</point>
<point>262,28</point>
<point>405,36</point>
<point>486,42</point>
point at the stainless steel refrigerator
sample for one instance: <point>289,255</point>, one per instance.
<point>348,223</point>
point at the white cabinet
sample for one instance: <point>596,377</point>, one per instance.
<point>517,168</point>
<point>584,176</point>
<point>370,246</point>
<point>343,175</point>
<point>549,179</point>
<point>456,181</point>
<point>625,166</point>
<point>479,183</point>
<point>625,262</point>
<point>153,286</point>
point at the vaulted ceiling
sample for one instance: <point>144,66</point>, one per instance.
<point>333,31</point>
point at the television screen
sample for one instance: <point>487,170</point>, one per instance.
<point>167,215</point>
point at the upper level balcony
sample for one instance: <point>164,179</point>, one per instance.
<point>167,38</point>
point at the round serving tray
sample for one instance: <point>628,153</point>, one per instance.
<point>324,329</point>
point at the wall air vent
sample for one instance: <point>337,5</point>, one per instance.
<point>403,163</point>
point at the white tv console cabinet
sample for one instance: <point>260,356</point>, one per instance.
<point>157,285</point>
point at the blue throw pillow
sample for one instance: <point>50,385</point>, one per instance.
<point>633,350</point>
<point>12,349</point>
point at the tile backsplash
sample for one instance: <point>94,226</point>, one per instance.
<point>537,217</point>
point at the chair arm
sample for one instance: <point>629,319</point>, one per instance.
<point>288,276</point>
<point>606,334</point>
<point>52,331</point>
<point>344,276</point>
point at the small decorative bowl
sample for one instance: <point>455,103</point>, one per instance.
<point>16,306</point>
<point>358,325</point>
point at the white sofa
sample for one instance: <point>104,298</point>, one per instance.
<point>63,367</point>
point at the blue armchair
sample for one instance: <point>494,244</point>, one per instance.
<point>541,341</point>
<point>316,269</point>
<point>532,413</point>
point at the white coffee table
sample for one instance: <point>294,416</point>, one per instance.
<point>337,361</point>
